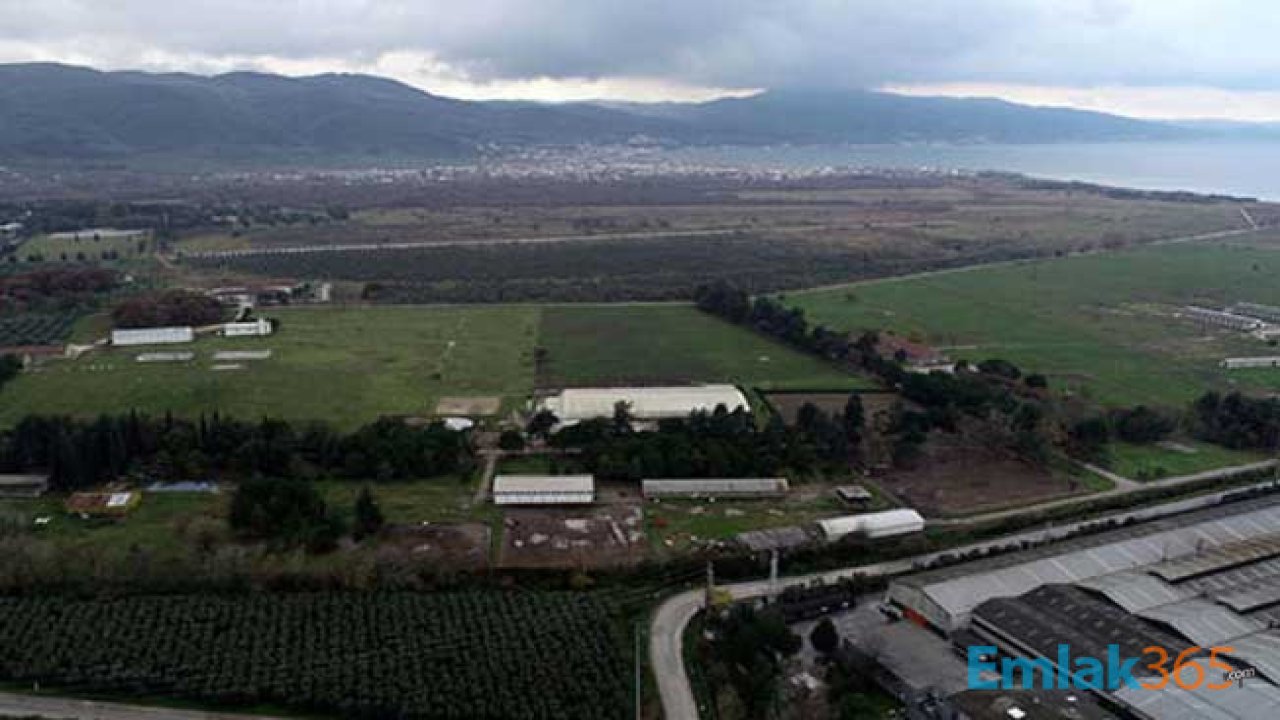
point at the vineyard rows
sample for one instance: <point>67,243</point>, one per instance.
<point>456,655</point>
<point>36,329</point>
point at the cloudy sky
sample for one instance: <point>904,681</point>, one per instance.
<point>1151,58</point>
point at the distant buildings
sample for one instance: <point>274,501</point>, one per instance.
<point>715,488</point>
<point>645,404</point>
<point>1221,318</point>
<point>913,356</point>
<point>23,486</point>
<point>1269,313</point>
<point>252,328</point>
<point>103,504</point>
<point>543,490</point>
<point>152,336</point>
<point>1241,363</point>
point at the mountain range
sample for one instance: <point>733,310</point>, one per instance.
<point>60,112</point>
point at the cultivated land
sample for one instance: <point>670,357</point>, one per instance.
<point>1175,457</point>
<point>654,344</point>
<point>1102,325</point>
<point>348,366</point>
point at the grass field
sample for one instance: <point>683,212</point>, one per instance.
<point>1152,462</point>
<point>53,248</point>
<point>1100,324</point>
<point>345,365</point>
<point>649,344</point>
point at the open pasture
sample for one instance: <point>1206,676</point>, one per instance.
<point>1103,325</point>
<point>669,344</point>
<point>348,366</point>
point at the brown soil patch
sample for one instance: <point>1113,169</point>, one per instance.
<point>473,405</point>
<point>588,537</point>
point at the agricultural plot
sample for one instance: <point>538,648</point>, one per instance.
<point>656,344</point>
<point>764,241</point>
<point>36,329</point>
<point>88,246</point>
<point>534,655</point>
<point>1100,325</point>
<point>347,366</point>
<point>1171,458</point>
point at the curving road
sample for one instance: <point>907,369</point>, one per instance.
<point>672,617</point>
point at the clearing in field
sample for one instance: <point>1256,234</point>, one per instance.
<point>1102,325</point>
<point>1172,458</point>
<point>657,344</point>
<point>344,365</point>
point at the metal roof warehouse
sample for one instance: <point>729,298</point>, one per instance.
<point>718,487</point>
<point>543,490</point>
<point>646,403</point>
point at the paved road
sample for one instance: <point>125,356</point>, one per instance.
<point>671,618</point>
<point>16,705</point>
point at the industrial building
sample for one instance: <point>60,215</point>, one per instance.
<point>1241,363</point>
<point>543,490</point>
<point>1222,318</point>
<point>23,486</point>
<point>153,336</point>
<point>715,488</point>
<point>1270,313</point>
<point>574,405</point>
<point>103,504</point>
<point>252,328</point>
<point>872,525</point>
<point>1207,578</point>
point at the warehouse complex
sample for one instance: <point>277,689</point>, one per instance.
<point>574,405</point>
<point>1209,578</point>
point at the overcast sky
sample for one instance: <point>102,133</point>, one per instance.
<point>1153,58</point>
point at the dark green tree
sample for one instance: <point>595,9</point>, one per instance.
<point>369,519</point>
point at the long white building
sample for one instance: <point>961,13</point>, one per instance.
<point>1241,363</point>
<point>153,336</point>
<point>543,490</point>
<point>646,403</point>
<point>874,525</point>
<point>715,488</point>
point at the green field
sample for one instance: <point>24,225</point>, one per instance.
<point>648,344</point>
<point>351,365</point>
<point>52,248</point>
<point>1152,462</point>
<point>1102,325</point>
<point>345,365</point>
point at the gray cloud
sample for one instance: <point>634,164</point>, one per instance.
<point>722,43</point>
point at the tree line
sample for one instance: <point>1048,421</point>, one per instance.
<point>719,443</point>
<point>82,453</point>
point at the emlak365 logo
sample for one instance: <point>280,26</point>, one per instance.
<point>1156,669</point>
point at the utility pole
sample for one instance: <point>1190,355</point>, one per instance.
<point>638,676</point>
<point>710,598</point>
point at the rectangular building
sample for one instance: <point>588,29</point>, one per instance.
<point>23,486</point>
<point>543,490</point>
<point>873,525</point>
<point>252,328</point>
<point>1220,318</point>
<point>152,336</point>
<point>645,403</point>
<point>1241,363</point>
<point>715,487</point>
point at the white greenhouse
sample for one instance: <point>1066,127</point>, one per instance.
<point>153,336</point>
<point>873,525</point>
<point>646,403</point>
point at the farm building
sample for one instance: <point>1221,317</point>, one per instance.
<point>649,403</point>
<point>543,490</point>
<point>23,486</point>
<point>718,488</point>
<point>1220,318</point>
<point>253,328</point>
<point>873,525</point>
<point>1270,313</point>
<point>914,356</point>
<point>153,336</point>
<point>854,494</point>
<point>103,504</point>
<point>1240,363</point>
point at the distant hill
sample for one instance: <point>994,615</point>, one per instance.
<point>61,112</point>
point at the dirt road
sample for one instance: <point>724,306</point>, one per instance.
<point>15,705</point>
